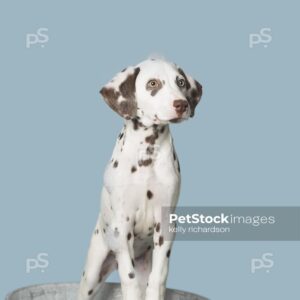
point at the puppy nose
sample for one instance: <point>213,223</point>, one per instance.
<point>180,106</point>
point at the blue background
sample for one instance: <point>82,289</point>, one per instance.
<point>242,148</point>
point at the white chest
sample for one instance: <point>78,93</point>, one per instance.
<point>142,176</point>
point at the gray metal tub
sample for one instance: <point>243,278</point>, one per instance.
<point>68,291</point>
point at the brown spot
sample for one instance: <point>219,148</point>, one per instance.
<point>131,275</point>
<point>154,90</point>
<point>174,154</point>
<point>124,70</point>
<point>128,236</point>
<point>135,124</point>
<point>83,273</point>
<point>111,96</point>
<point>161,240</point>
<point>127,219</point>
<point>127,87</point>
<point>104,230</point>
<point>150,150</point>
<point>133,169</point>
<point>187,83</point>
<point>145,162</point>
<point>132,262</point>
<point>90,292</point>
<point>115,165</point>
<point>127,108</point>
<point>178,166</point>
<point>149,248</point>
<point>194,93</point>
<point>195,97</point>
<point>157,227</point>
<point>96,231</point>
<point>149,194</point>
<point>151,138</point>
<point>168,253</point>
<point>121,135</point>
<point>162,129</point>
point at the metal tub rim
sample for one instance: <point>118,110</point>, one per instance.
<point>73,286</point>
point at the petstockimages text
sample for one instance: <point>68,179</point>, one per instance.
<point>221,219</point>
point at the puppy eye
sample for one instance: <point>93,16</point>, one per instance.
<point>180,82</point>
<point>152,84</point>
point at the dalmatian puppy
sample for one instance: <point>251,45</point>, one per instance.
<point>142,176</point>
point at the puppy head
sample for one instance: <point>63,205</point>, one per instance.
<point>154,91</point>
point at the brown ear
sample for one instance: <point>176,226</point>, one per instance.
<point>195,95</point>
<point>119,93</point>
<point>193,91</point>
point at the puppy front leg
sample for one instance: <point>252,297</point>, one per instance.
<point>129,282</point>
<point>160,266</point>
<point>97,253</point>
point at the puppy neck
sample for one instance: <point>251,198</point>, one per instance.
<point>136,135</point>
<point>137,128</point>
